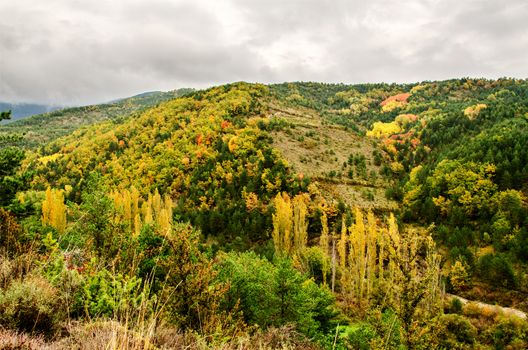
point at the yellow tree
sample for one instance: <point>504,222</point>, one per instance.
<point>282,224</point>
<point>300,224</point>
<point>323,243</point>
<point>342,252</point>
<point>371,254</point>
<point>356,258</point>
<point>379,264</point>
<point>54,210</point>
<point>155,210</point>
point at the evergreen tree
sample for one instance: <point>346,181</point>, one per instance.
<point>10,159</point>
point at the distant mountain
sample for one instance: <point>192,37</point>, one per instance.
<point>42,128</point>
<point>22,110</point>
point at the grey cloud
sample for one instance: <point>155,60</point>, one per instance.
<point>74,52</point>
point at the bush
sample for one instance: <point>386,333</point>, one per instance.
<point>11,239</point>
<point>455,332</point>
<point>31,305</point>
<point>511,333</point>
<point>456,306</point>
<point>11,340</point>
<point>182,275</point>
<point>274,295</point>
<point>359,336</point>
<point>107,294</point>
<point>311,261</point>
<point>497,270</point>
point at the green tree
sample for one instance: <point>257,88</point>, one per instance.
<point>275,294</point>
<point>10,159</point>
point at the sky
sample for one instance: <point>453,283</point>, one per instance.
<point>73,52</point>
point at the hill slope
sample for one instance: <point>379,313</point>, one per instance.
<point>41,129</point>
<point>450,153</point>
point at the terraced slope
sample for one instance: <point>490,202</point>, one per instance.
<point>340,160</point>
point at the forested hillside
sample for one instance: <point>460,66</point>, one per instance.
<point>296,215</point>
<point>39,129</point>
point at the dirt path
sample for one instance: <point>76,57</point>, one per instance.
<point>499,309</point>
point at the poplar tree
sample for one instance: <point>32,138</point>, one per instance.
<point>54,210</point>
<point>323,243</point>
<point>282,224</point>
<point>300,224</point>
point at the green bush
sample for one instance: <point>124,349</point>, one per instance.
<point>455,332</point>
<point>497,270</point>
<point>359,336</point>
<point>511,333</point>
<point>31,305</point>
<point>311,261</point>
<point>275,294</point>
<point>107,294</point>
<point>455,306</point>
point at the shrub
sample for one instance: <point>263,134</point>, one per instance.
<point>101,334</point>
<point>311,261</point>
<point>107,294</point>
<point>359,336</point>
<point>455,332</point>
<point>11,239</point>
<point>511,333</point>
<point>31,305</point>
<point>10,340</point>
<point>497,270</point>
<point>458,276</point>
<point>456,306</point>
<point>274,295</point>
<point>183,276</point>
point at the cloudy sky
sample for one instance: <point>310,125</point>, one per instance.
<point>86,51</point>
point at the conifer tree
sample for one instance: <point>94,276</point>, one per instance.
<point>10,159</point>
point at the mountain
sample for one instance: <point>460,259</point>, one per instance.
<point>345,211</point>
<point>370,146</point>
<point>42,128</point>
<point>22,110</point>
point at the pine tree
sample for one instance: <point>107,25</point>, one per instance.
<point>10,160</point>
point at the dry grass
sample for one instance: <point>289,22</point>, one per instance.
<point>112,335</point>
<point>10,340</point>
<point>103,335</point>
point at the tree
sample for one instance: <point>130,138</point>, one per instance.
<point>10,159</point>
<point>54,210</point>
<point>385,268</point>
<point>290,225</point>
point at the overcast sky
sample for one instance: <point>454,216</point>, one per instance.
<point>73,52</point>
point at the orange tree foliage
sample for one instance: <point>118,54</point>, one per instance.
<point>204,151</point>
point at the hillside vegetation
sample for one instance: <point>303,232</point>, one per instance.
<point>42,128</point>
<point>296,215</point>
